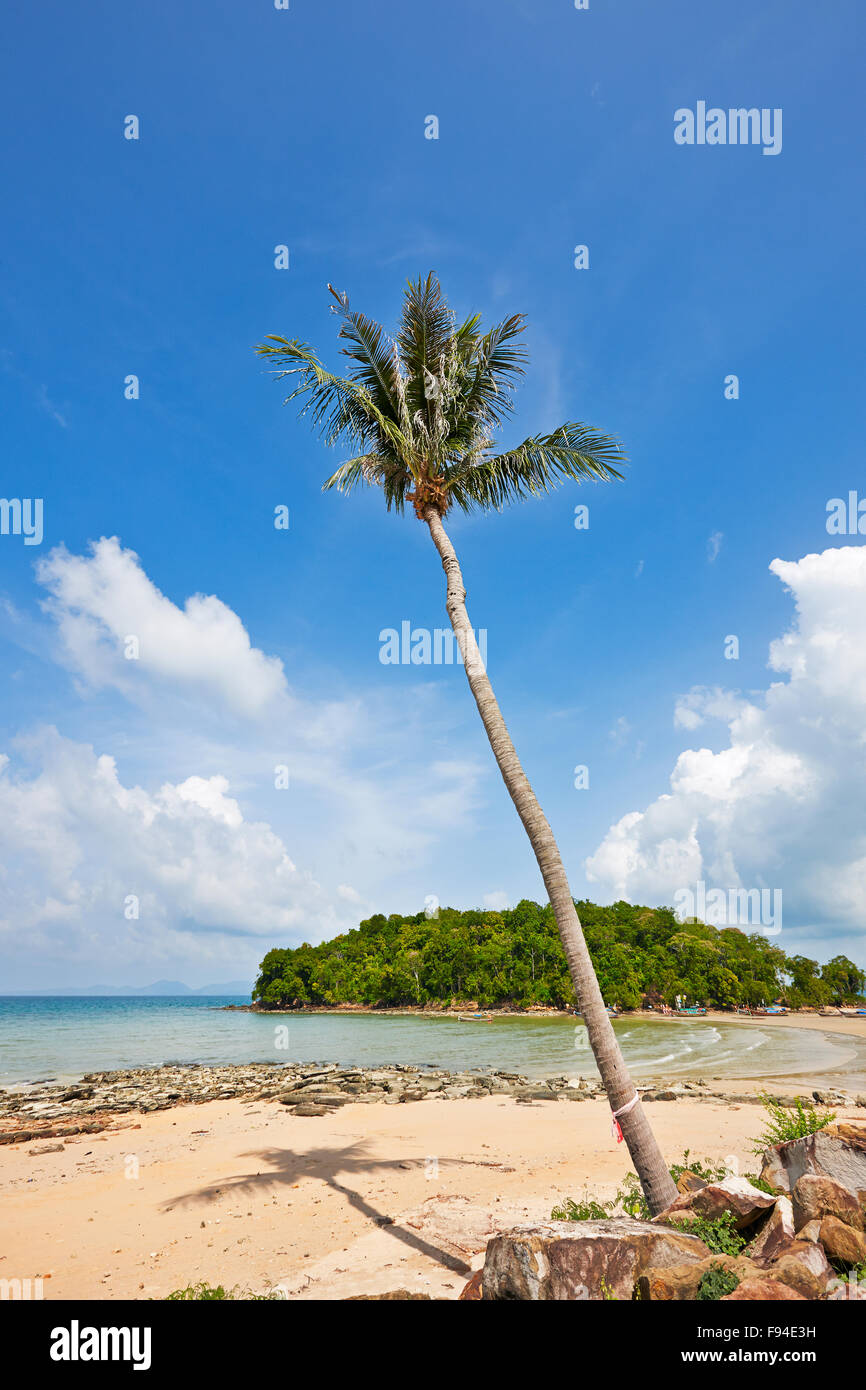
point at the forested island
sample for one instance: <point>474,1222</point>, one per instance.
<point>642,956</point>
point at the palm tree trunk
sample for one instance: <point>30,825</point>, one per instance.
<point>656,1181</point>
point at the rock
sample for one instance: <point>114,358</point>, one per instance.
<point>308,1108</point>
<point>850,1131</point>
<point>841,1242</point>
<point>536,1093</point>
<point>776,1232</point>
<point>803,1266</point>
<point>811,1231</point>
<point>763,1290</point>
<point>680,1283</point>
<point>581,1259</point>
<point>736,1195</point>
<point>47,1149</point>
<point>837,1152</point>
<point>815,1197</point>
<point>472,1291</point>
<point>690,1182</point>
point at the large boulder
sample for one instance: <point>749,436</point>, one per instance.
<point>776,1233</point>
<point>746,1203</point>
<point>680,1283</point>
<point>841,1242</point>
<point>582,1259</point>
<point>837,1152</point>
<point>815,1197</point>
<point>803,1266</point>
<point>763,1290</point>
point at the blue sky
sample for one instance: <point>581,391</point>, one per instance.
<point>155,257</point>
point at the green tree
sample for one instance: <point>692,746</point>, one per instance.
<point>845,980</point>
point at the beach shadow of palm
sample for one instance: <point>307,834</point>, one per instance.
<point>329,1165</point>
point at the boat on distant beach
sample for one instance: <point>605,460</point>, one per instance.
<point>696,1012</point>
<point>474,1018</point>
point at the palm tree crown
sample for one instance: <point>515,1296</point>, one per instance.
<point>421,410</point>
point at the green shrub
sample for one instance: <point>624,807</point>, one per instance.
<point>629,1199</point>
<point>760,1183</point>
<point>716,1283</point>
<point>789,1122</point>
<point>708,1170</point>
<point>202,1292</point>
<point>720,1234</point>
<point>588,1210</point>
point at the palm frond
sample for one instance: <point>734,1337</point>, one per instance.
<point>373,350</point>
<point>536,466</point>
<point>364,470</point>
<point>340,407</point>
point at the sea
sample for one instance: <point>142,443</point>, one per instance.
<point>50,1038</point>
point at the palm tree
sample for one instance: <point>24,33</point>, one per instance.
<point>419,413</point>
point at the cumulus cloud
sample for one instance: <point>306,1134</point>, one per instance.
<point>106,607</point>
<point>781,806</point>
<point>85,852</point>
<point>186,816</point>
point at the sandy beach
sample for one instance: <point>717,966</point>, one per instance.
<point>364,1200</point>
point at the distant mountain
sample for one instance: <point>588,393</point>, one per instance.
<point>158,988</point>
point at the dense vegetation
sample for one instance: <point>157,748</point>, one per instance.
<point>514,957</point>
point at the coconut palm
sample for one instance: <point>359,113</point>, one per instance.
<point>419,413</point>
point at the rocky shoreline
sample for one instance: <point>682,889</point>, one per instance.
<point>100,1100</point>
<point>799,1236</point>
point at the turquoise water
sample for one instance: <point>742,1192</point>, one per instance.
<point>50,1038</point>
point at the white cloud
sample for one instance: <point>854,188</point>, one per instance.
<point>714,545</point>
<point>781,806</point>
<point>101,600</point>
<point>194,824</point>
<point>77,843</point>
<point>497,901</point>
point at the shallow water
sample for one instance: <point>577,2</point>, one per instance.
<point>52,1038</point>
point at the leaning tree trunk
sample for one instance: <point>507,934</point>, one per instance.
<point>654,1176</point>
